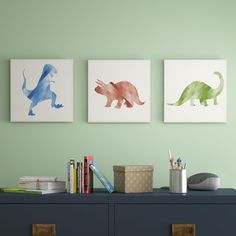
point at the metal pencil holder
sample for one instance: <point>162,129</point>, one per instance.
<point>178,181</point>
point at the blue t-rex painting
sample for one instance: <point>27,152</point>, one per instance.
<point>42,91</point>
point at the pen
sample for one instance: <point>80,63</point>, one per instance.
<point>171,159</point>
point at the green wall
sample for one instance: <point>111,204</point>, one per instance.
<point>109,29</point>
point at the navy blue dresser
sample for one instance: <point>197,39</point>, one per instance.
<point>104,214</point>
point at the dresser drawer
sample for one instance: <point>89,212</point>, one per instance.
<point>70,219</point>
<point>156,219</point>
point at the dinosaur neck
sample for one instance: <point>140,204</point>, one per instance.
<point>218,90</point>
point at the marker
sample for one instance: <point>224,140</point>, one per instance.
<point>179,165</point>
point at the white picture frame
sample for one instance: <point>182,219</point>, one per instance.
<point>195,91</point>
<point>130,79</point>
<point>41,90</point>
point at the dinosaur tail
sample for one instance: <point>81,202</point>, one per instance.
<point>178,103</point>
<point>24,89</point>
<point>136,97</point>
<point>185,96</point>
<point>137,101</point>
<point>171,104</point>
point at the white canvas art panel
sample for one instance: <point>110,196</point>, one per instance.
<point>119,91</point>
<point>195,90</point>
<point>41,90</point>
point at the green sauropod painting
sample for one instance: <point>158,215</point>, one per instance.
<point>195,90</point>
<point>202,91</point>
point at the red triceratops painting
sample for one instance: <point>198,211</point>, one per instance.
<point>119,91</point>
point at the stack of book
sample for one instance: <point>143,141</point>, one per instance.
<point>41,184</point>
<point>37,185</point>
<point>80,176</point>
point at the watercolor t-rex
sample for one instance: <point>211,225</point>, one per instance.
<point>42,91</point>
<point>202,91</point>
<point>120,91</point>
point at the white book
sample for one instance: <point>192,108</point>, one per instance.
<point>37,178</point>
<point>42,185</point>
<point>46,191</point>
<point>52,191</point>
<point>72,169</point>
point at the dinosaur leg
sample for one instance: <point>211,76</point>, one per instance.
<point>33,104</point>
<point>204,102</point>
<point>192,102</point>
<point>109,101</point>
<point>53,103</point>
<point>119,103</point>
<point>215,101</point>
<point>128,104</point>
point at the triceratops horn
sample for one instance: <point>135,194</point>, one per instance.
<point>99,82</point>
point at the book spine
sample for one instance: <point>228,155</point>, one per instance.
<point>37,178</point>
<point>72,168</point>
<point>102,178</point>
<point>82,177</point>
<point>68,177</point>
<point>77,177</point>
<point>42,185</point>
<point>88,174</point>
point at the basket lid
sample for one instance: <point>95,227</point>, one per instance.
<point>132,168</point>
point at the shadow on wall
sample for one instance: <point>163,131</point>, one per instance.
<point>5,90</point>
<point>80,90</point>
<point>157,86</point>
